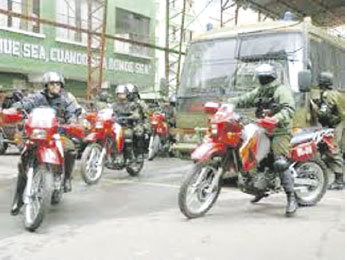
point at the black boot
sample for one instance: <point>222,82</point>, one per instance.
<point>339,183</point>
<point>69,164</point>
<point>292,204</point>
<point>258,197</point>
<point>18,197</point>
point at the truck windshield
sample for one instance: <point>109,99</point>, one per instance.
<point>226,66</point>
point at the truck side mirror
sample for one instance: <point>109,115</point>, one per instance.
<point>305,80</point>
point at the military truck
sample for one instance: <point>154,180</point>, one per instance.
<point>221,64</point>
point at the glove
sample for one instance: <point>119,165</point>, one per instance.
<point>72,120</point>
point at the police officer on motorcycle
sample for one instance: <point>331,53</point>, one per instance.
<point>124,108</point>
<point>103,100</point>
<point>52,95</point>
<point>330,111</point>
<point>275,100</point>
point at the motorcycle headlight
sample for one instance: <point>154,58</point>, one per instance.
<point>99,125</point>
<point>214,130</point>
<point>154,122</point>
<point>38,134</point>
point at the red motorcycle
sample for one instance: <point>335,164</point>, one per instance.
<point>42,160</point>
<point>160,138</point>
<point>107,147</point>
<point>11,133</point>
<point>231,146</point>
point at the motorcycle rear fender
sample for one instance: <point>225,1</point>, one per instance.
<point>50,155</point>
<point>303,152</point>
<point>93,137</point>
<point>206,151</point>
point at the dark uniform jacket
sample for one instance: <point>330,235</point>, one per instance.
<point>65,107</point>
<point>130,109</point>
<point>275,97</point>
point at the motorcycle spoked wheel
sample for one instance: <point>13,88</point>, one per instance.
<point>57,194</point>
<point>154,147</point>
<point>196,196</point>
<point>90,170</point>
<point>134,168</point>
<point>41,189</point>
<point>3,145</point>
<point>311,182</point>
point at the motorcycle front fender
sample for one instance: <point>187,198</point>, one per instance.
<point>162,129</point>
<point>206,151</point>
<point>50,155</point>
<point>93,137</point>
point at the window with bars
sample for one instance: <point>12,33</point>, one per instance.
<point>29,8</point>
<point>134,27</point>
<point>75,13</point>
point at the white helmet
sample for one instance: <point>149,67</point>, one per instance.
<point>266,70</point>
<point>53,77</point>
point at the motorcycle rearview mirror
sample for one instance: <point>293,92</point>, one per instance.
<point>305,80</point>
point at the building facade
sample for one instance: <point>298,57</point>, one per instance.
<point>28,49</point>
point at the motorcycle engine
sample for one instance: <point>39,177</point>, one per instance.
<point>258,182</point>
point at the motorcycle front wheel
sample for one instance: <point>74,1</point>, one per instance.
<point>3,144</point>
<point>310,182</point>
<point>90,169</point>
<point>134,168</point>
<point>154,147</point>
<point>198,193</point>
<point>40,190</point>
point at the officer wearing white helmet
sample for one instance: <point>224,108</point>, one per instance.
<point>53,95</point>
<point>123,107</point>
<point>273,99</point>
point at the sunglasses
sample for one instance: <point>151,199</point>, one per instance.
<point>55,83</point>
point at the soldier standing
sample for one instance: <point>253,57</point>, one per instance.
<point>330,112</point>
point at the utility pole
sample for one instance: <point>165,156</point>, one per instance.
<point>180,45</point>
<point>96,45</point>
<point>167,45</point>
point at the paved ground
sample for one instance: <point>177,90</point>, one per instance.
<point>138,218</point>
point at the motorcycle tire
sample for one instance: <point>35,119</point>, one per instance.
<point>3,145</point>
<point>184,189</point>
<point>313,197</point>
<point>135,168</point>
<point>86,162</point>
<point>154,147</point>
<point>34,211</point>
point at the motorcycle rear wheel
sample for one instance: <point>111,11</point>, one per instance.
<point>90,170</point>
<point>197,183</point>
<point>313,175</point>
<point>34,211</point>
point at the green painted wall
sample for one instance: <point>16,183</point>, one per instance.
<point>27,54</point>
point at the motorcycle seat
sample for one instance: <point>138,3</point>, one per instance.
<point>302,138</point>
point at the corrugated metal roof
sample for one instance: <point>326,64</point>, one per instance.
<point>323,12</point>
